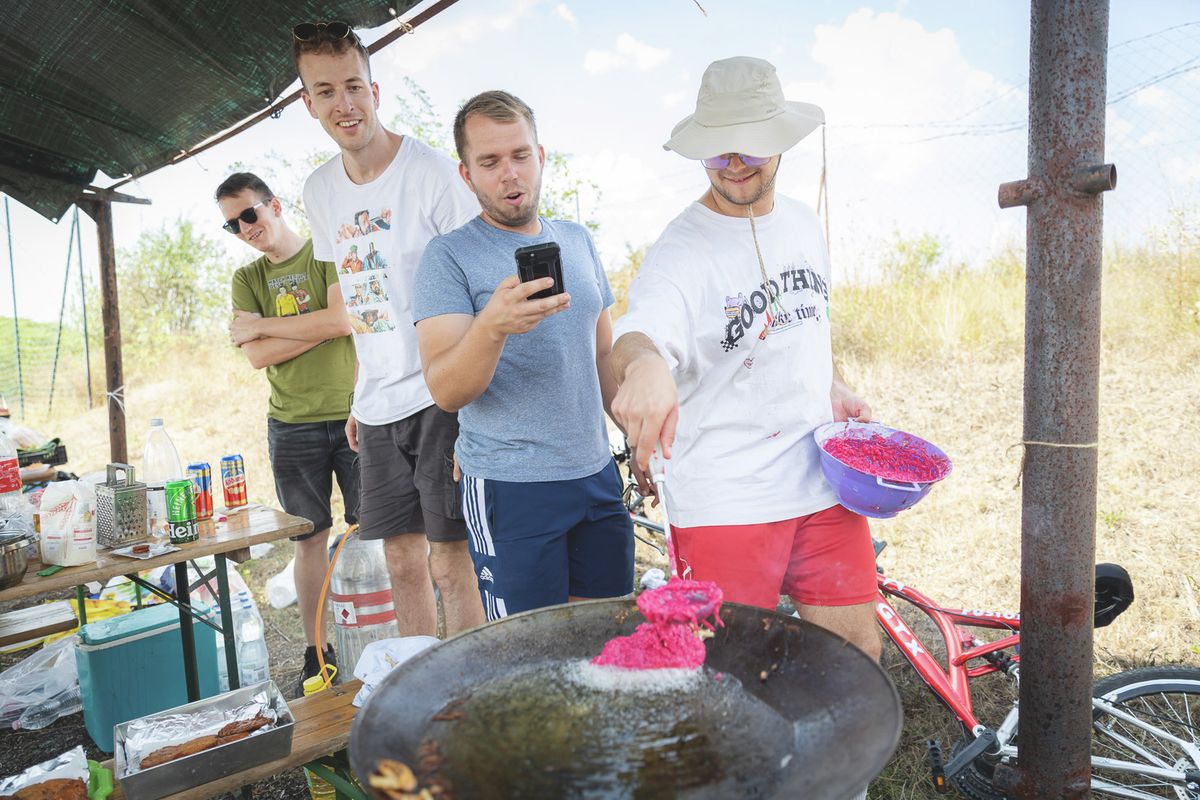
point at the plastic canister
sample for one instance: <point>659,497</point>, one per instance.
<point>253,659</point>
<point>319,788</point>
<point>361,599</point>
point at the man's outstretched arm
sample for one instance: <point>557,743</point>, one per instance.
<point>647,404</point>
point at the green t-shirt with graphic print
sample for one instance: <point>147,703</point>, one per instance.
<point>314,386</point>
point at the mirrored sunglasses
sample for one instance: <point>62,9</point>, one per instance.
<point>721,162</point>
<point>311,31</point>
<point>249,216</point>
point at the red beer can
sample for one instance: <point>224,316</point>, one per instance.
<point>233,481</point>
<point>201,476</point>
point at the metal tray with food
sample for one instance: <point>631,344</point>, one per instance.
<point>182,747</point>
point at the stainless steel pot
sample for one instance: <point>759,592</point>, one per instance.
<point>14,557</point>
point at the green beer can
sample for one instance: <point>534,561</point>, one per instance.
<point>181,511</point>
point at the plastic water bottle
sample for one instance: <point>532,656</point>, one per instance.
<point>11,501</point>
<point>222,666</point>
<point>361,599</point>
<point>319,788</point>
<point>160,463</point>
<point>44,714</point>
<point>253,659</point>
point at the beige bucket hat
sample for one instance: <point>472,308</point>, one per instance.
<point>740,109</point>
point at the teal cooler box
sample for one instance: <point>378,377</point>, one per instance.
<point>132,665</point>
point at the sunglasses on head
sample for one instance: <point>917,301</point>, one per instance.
<point>312,31</point>
<point>721,162</point>
<point>248,216</point>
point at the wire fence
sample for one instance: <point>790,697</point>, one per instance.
<point>45,367</point>
<point>1152,135</point>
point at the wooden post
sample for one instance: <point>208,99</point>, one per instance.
<point>100,210</point>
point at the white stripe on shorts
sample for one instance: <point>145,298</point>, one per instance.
<point>475,511</point>
<point>493,606</point>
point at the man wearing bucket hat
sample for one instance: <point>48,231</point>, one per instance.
<point>725,359</point>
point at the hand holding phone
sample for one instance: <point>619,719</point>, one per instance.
<point>541,261</point>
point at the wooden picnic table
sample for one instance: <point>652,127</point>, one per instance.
<point>230,538</point>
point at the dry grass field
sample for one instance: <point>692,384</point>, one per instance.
<point>940,356</point>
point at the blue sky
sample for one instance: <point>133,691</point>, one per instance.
<point>917,96</point>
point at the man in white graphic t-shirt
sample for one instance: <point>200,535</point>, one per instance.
<point>384,197</point>
<point>725,359</point>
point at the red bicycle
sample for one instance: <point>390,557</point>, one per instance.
<point>1145,722</point>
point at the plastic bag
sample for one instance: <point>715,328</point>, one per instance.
<point>41,687</point>
<point>281,588</point>
<point>379,658</point>
<point>68,522</point>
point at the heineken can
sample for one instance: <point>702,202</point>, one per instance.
<point>181,511</point>
<point>184,532</point>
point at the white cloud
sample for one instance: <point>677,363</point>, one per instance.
<point>1116,127</point>
<point>434,42</point>
<point>562,12</point>
<point>627,52</point>
<point>672,100</point>
<point>907,112</point>
<point>1153,97</point>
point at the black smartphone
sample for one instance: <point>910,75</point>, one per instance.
<point>541,261</point>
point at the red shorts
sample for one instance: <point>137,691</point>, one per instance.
<point>821,559</point>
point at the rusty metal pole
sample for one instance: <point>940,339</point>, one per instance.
<point>100,210</point>
<point>1067,85</point>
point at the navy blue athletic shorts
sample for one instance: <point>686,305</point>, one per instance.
<point>535,544</point>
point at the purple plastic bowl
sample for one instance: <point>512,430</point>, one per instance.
<point>866,494</point>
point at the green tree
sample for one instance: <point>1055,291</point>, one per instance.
<point>623,277</point>
<point>173,281</point>
<point>562,190</point>
<point>912,260</point>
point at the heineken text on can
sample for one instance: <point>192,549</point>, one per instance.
<point>184,532</point>
<point>180,504</point>
<point>201,475</point>
<point>233,481</point>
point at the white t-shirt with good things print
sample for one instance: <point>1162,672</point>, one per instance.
<point>753,379</point>
<point>374,234</point>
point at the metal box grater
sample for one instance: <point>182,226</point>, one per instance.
<point>120,508</point>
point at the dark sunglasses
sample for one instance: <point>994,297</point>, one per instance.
<point>721,162</point>
<point>312,31</point>
<point>249,216</point>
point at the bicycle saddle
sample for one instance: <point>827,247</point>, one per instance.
<point>1114,593</point>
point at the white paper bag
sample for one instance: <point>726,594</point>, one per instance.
<point>68,522</point>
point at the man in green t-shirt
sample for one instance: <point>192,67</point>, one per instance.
<point>289,317</point>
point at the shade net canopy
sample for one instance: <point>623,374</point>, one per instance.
<point>125,86</point>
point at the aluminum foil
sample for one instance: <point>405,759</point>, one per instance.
<point>144,736</point>
<point>71,764</point>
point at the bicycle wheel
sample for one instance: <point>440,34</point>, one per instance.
<point>1165,701</point>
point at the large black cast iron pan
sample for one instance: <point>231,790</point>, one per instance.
<point>784,710</point>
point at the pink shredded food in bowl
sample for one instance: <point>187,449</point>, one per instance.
<point>899,457</point>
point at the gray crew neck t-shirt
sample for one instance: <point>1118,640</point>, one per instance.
<point>541,418</point>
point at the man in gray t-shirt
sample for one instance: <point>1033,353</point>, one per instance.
<point>530,377</point>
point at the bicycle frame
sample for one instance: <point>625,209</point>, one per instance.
<point>952,683</point>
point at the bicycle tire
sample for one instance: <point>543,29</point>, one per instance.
<point>1171,694</point>
<point>1168,697</point>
